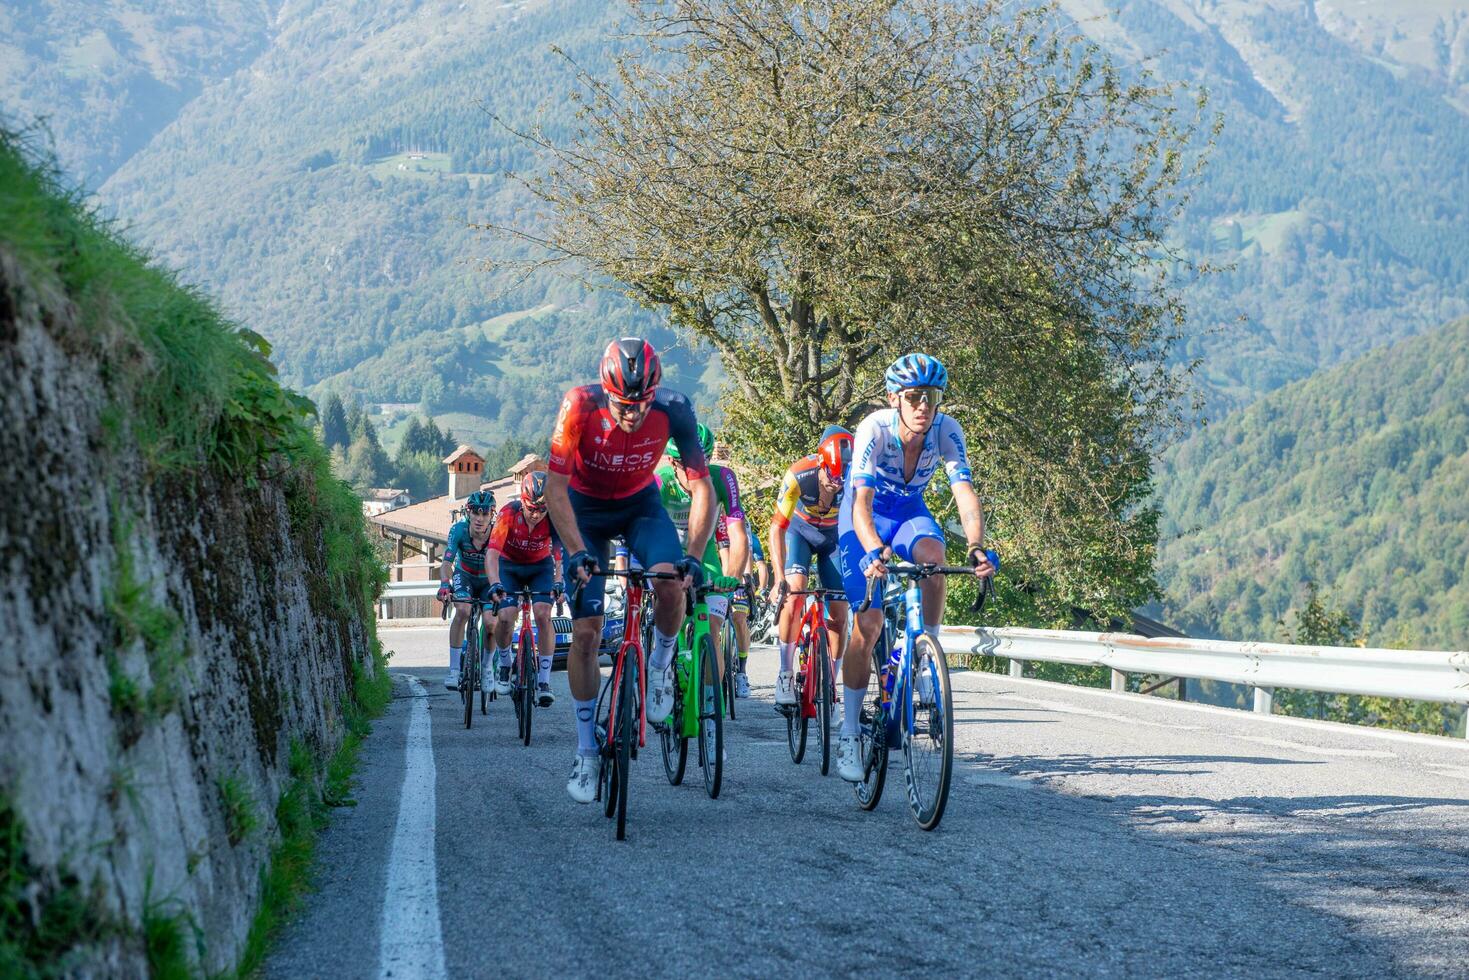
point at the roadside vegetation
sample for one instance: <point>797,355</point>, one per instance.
<point>189,398</point>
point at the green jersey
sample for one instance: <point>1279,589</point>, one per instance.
<point>677,502</point>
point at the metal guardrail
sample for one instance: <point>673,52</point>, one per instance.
<point>1424,675</point>
<point>410,590</point>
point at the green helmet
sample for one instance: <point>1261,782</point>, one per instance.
<point>706,443</point>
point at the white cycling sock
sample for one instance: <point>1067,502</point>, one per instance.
<point>503,657</point>
<point>663,647</point>
<point>586,726</point>
<point>838,669</point>
<point>543,671</point>
<point>852,709</point>
<point>786,653</point>
<point>453,657</point>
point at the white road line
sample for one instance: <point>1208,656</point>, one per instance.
<point>412,946</point>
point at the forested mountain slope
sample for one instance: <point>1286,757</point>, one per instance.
<point>326,190</point>
<point>1336,191</point>
<point>1357,478</point>
<point>107,75</point>
<point>329,195</point>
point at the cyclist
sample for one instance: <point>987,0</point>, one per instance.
<point>739,602</point>
<point>673,483</point>
<point>525,552</point>
<point>462,575</point>
<point>607,441</point>
<point>883,514</point>
<point>803,531</point>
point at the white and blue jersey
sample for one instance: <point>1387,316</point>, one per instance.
<point>899,514</point>
<point>877,458</point>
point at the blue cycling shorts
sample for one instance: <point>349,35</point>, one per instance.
<point>640,520</point>
<point>467,587</point>
<point>804,543</point>
<point>537,576</point>
<point>899,525</point>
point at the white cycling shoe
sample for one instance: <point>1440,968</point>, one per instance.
<point>503,687</point>
<point>849,758</point>
<point>785,688</point>
<point>660,694</point>
<point>451,680</point>
<point>583,783</point>
<point>742,685</point>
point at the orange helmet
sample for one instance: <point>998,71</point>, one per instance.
<point>835,451</point>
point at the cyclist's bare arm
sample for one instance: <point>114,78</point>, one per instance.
<point>862,521</point>
<point>971,513</point>
<point>777,547</point>
<point>701,514</point>
<point>563,518</point>
<point>739,549</point>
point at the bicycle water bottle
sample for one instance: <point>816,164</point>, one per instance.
<point>890,676</point>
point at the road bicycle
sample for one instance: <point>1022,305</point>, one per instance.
<point>912,707</point>
<point>814,677</point>
<point>470,673</point>
<point>697,682</point>
<point>523,672</point>
<point>626,717</point>
<point>729,642</point>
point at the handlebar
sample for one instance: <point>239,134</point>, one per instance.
<point>785,592</point>
<point>923,571</point>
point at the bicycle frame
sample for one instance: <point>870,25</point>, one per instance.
<point>692,674</point>
<point>632,628</point>
<point>912,629</point>
<point>810,619</point>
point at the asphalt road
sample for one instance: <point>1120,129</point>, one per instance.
<point>1087,833</point>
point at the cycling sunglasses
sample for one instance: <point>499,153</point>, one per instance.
<point>918,396</point>
<point>626,405</point>
<point>479,510</point>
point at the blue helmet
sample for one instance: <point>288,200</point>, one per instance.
<point>916,371</point>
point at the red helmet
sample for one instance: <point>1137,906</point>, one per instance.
<point>835,451</point>
<point>533,488</point>
<point>630,369</point>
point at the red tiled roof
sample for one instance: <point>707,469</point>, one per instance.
<point>430,520</point>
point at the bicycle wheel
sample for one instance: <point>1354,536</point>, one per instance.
<point>823,695</point>
<point>486,691</point>
<point>730,669</point>
<point>873,741</point>
<point>526,691</point>
<point>515,679</point>
<point>796,720</point>
<point>607,766</point>
<point>469,675</point>
<point>711,719</point>
<point>626,735</point>
<point>674,747</point>
<point>928,744</point>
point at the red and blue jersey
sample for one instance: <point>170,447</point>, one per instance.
<point>518,541</point>
<point>603,461</point>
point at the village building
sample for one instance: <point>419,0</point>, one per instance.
<point>419,532</point>
<point>380,500</point>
